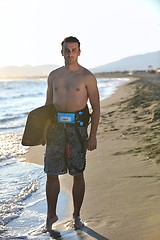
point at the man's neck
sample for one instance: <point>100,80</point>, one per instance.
<point>72,67</point>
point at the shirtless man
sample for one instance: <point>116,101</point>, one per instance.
<point>69,88</point>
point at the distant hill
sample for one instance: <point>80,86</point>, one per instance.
<point>132,63</point>
<point>26,71</point>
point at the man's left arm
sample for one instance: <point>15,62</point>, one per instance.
<point>93,95</point>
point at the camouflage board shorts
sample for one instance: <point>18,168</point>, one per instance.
<point>65,149</point>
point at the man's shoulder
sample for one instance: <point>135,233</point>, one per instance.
<point>87,72</point>
<point>89,77</point>
<point>55,71</point>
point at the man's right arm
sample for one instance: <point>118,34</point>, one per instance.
<point>49,97</point>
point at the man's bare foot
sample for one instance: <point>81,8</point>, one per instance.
<point>78,223</point>
<point>50,221</point>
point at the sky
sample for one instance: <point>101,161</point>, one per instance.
<point>31,31</point>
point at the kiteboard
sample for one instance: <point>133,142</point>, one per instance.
<point>36,126</point>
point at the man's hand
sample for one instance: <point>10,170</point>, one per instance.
<point>91,143</point>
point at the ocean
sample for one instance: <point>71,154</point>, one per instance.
<point>22,185</point>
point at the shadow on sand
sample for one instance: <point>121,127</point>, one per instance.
<point>94,234</point>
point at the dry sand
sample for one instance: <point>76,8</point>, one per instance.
<point>122,200</point>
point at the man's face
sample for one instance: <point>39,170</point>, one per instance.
<point>70,52</point>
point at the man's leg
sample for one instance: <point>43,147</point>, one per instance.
<point>52,191</point>
<point>78,195</point>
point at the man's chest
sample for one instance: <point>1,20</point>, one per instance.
<point>68,83</point>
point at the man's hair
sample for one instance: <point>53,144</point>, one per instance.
<point>71,40</point>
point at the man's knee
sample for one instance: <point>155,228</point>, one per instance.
<point>78,178</point>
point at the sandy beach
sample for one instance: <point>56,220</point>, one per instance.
<point>122,200</point>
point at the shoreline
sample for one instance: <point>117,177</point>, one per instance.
<point>122,175</point>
